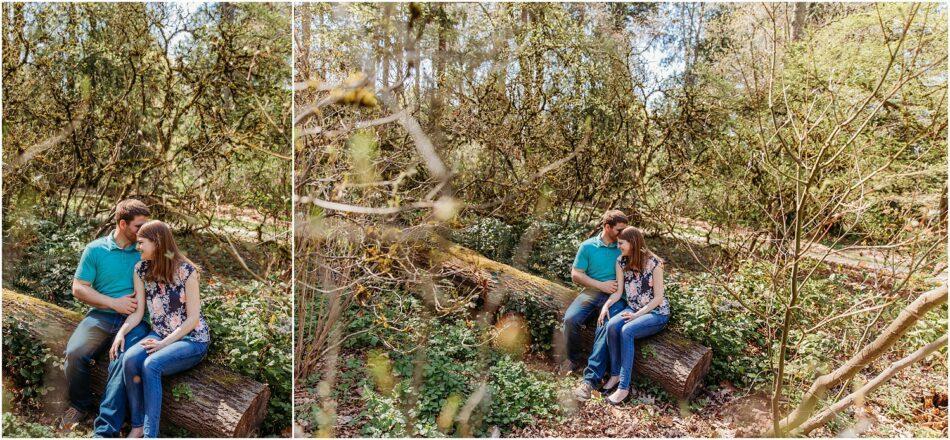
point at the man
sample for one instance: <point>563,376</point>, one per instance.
<point>103,280</point>
<point>594,269</point>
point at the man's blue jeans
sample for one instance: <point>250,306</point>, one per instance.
<point>143,377</point>
<point>584,308</point>
<point>599,357</point>
<point>620,342</point>
<point>92,336</point>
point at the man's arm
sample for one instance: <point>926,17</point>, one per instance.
<point>579,273</point>
<point>580,277</point>
<point>83,291</point>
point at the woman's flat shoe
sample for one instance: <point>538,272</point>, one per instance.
<point>604,390</point>
<point>625,399</point>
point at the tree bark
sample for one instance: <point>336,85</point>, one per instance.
<point>672,361</point>
<point>222,403</point>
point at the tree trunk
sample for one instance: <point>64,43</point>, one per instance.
<point>385,46</point>
<point>441,49</point>
<point>303,45</point>
<point>798,24</point>
<point>222,403</point>
<point>674,362</point>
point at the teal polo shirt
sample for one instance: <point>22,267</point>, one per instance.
<point>598,259</point>
<point>108,268</point>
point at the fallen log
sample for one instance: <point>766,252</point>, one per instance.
<point>675,363</point>
<point>219,402</point>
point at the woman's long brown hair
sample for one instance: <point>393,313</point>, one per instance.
<point>641,253</point>
<point>167,257</point>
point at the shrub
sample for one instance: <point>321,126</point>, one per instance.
<point>704,314</point>
<point>372,325</point>
<point>360,324</point>
<point>554,249</point>
<point>520,397</point>
<point>251,334</point>
<point>383,416</point>
<point>49,262</point>
<point>541,321</point>
<point>450,366</point>
<point>16,427</point>
<point>455,362</point>
<point>24,363</point>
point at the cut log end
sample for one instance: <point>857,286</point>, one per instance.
<point>695,378</point>
<point>254,415</point>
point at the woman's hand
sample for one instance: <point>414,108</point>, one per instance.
<point>118,346</point>
<point>628,316</point>
<point>152,345</point>
<point>603,316</point>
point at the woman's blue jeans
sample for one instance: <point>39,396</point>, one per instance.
<point>143,377</point>
<point>620,342</point>
<point>598,360</point>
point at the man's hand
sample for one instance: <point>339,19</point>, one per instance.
<point>125,305</point>
<point>608,287</point>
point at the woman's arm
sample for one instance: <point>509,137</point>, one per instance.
<point>658,291</point>
<point>134,318</point>
<point>614,297</point>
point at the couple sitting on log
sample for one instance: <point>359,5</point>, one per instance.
<point>136,266</point>
<point>623,288</point>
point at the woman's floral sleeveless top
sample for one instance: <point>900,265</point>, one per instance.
<point>638,286</point>
<point>166,303</point>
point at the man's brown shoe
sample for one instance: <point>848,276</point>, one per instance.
<point>582,392</point>
<point>71,418</point>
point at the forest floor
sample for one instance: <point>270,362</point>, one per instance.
<point>904,407</point>
<point>912,404</point>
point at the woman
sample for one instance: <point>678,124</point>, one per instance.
<point>168,283</point>
<point>647,313</point>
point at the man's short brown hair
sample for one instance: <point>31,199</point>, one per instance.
<point>612,217</point>
<point>129,209</point>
